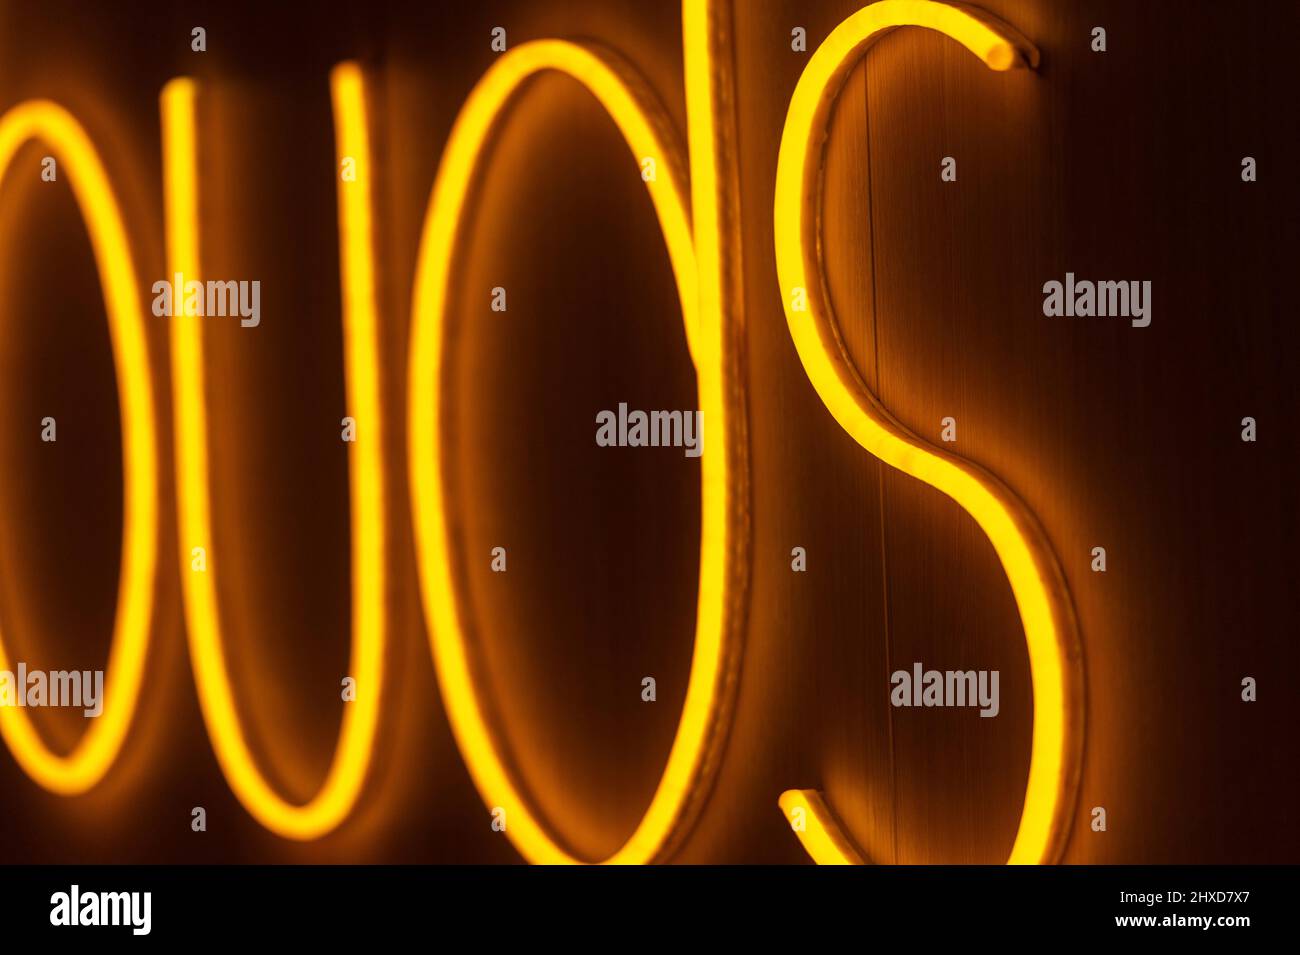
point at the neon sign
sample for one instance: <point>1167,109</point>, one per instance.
<point>1036,581</point>
<point>347,772</point>
<point>699,225</point>
<point>695,262</point>
<point>96,751</point>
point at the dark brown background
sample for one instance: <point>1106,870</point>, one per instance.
<point>1123,165</point>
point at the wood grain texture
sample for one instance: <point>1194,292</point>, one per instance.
<point>1122,165</point>
<point>1117,165</point>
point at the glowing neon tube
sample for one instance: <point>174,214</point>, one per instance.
<point>97,749</point>
<point>644,127</point>
<point>822,836</point>
<point>347,772</point>
<point>1036,581</point>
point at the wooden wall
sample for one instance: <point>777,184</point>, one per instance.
<point>1115,165</point>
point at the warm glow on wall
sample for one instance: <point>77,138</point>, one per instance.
<point>695,197</point>
<point>98,748</point>
<point>352,757</point>
<point>1021,546</point>
<point>697,267</point>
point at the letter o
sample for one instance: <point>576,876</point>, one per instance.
<point>97,749</point>
<point>644,128</point>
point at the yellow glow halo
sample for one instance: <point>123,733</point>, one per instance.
<point>648,133</point>
<point>352,756</point>
<point>99,746</point>
<point>1036,581</point>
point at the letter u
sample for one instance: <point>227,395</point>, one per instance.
<point>352,755</point>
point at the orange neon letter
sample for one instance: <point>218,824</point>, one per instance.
<point>352,756</point>
<point>1036,581</point>
<point>708,303</point>
<point>98,748</point>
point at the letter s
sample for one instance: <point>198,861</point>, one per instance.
<point>1045,612</point>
